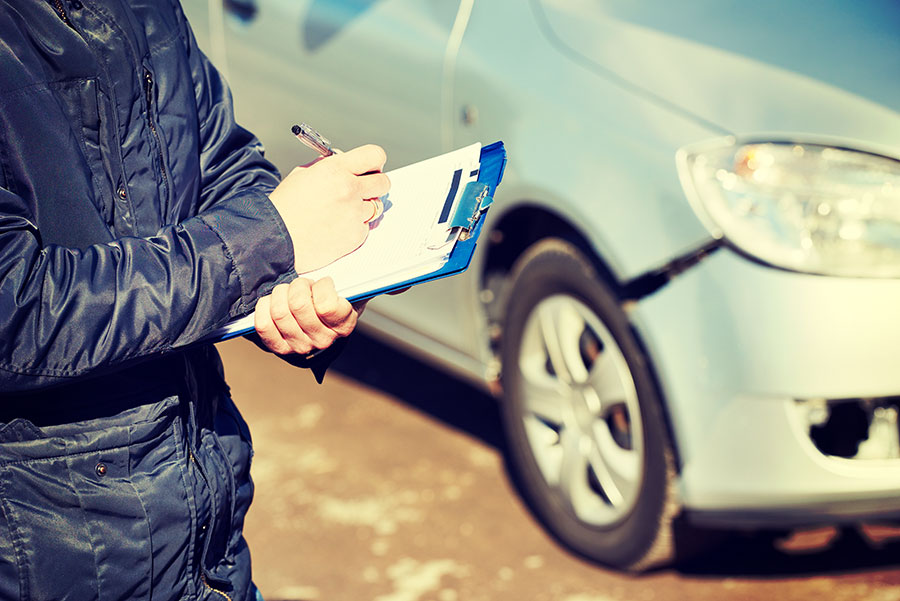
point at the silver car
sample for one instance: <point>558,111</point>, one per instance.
<point>686,295</point>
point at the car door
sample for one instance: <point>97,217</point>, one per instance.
<point>358,71</point>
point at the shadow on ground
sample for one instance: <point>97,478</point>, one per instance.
<point>763,555</point>
<point>422,387</point>
<point>813,552</point>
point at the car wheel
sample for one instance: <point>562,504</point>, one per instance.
<point>587,442</point>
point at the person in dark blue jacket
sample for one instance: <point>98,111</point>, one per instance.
<point>136,217</point>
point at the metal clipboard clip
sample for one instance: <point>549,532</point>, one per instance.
<point>473,202</point>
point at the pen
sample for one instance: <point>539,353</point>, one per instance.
<point>313,139</point>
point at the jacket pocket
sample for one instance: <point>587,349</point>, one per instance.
<point>38,127</point>
<point>80,511</point>
<point>84,95</point>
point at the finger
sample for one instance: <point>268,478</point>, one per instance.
<point>304,310</point>
<point>362,159</point>
<point>333,310</point>
<point>311,163</point>
<point>373,185</point>
<point>284,309</point>
<point>265,327</point>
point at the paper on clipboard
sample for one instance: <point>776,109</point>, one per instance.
<point>412,238</point>
<point>409,237</point>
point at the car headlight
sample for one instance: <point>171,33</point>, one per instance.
<point>804,207</point>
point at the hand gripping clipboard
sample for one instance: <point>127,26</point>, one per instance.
<point>467,221</point>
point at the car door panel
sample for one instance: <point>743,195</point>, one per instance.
<point>281,57</point>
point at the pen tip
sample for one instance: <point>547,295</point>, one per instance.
<point>296,130</point>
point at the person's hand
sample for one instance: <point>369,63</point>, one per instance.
<point>303,316</point>
<point>326,204</point>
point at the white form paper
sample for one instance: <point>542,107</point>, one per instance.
<point>410,239</point>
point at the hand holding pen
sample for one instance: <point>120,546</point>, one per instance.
<point>324,208</point>
<point>310,137</point>
<point>328,203</point>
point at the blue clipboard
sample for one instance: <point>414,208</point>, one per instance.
<point>476,199</point>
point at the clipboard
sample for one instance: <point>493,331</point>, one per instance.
<point>464,226</point>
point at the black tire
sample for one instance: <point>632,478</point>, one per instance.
<point>634,530</point>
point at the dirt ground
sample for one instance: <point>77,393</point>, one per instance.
<point>387,483</point>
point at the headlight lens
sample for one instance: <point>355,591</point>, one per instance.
<point>804,207</point>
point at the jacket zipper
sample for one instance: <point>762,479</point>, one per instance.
<point>206,584</point>
<point>148,90</point>
<point>215,590</point>
<point>61,11</point>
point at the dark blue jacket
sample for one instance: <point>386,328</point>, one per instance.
<point>134,219</point>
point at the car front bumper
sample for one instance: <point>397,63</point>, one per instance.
<point>740,351</point>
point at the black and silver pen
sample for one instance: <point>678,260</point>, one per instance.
<point>313,139</point>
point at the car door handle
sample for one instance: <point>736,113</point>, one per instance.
<point>242,10</point>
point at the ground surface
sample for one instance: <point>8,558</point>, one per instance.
<point>387,484</point>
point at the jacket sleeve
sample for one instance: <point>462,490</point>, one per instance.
<point>70,312</point>
<point>67,313</point>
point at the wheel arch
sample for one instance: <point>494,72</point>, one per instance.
<point>523,226</point>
